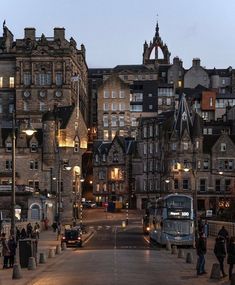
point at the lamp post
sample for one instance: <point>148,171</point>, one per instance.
<point>29,131</point>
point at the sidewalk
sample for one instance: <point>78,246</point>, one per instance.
<point>48,239</point>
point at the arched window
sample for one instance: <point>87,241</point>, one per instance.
<point>35,212</point>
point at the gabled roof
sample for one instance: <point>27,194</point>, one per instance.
<point>64,114</point>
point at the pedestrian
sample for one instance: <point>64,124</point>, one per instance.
<point>29,230</point>
<point>206,229</point>
<point>231,255</point>
<point>12,248</point>
<point>5,251</point>
<point>54,226</point>
<point>46,221</point>
<point>224,233</point>
<point>23,233</point>
<point>37,229</point>
<point>17,234</point>
<point>220,252</point>
<point>201,251</point>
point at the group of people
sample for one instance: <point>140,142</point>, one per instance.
<point>8,250</point>
<point>29,232</point>
<point>223,246</point>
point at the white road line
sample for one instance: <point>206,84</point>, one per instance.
<point>147,240</point>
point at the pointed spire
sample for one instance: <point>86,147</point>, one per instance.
<point>157,30</point>
<point>183,118</point>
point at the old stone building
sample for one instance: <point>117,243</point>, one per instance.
<point>44,81</point>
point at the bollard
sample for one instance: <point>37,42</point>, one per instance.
<point>42,258</point>
<point>232,279</point>
<point>189,257</point>
<point>174,249</point>
<point>168,245</point>
<point>16,273</point>
<point>63,246</point>
<point>51,253</point>
<point>32,263</point>
<point>215,271</point>
<point>58,249</point>
<point>181,253</point>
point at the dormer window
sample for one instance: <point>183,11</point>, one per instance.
<point>115,156</point>
<point>223,147</point>
<point>76,144</point>
<point>34,147</point>
<point>103,157</point>
<point>8,147</point>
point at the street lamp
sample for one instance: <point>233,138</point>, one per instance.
<point>29,131</point>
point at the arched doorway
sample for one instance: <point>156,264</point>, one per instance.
<point>35,212</point>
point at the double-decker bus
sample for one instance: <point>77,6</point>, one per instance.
<point>172,219</point>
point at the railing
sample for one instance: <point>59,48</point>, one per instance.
<point>215,226</point>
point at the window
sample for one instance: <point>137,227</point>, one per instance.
<point>202,185</point>
<point>145,149</point>
<point>101,175</point>
<point>36,184</point>
<point>0,105</point>
<point>76,146</point>
<point>151,148</point>
<point>179,83</point>
<point>106,94</point>
<point>176,184</point>
<point>156,147</point>
<point>185,145</point>
<point>150,130</point>
<point>8,147</point>
<point>113,121</point>
<point>206,164</point>
<point>168,101</point>
<point>33,165</point>
<point>58,78</point>
<point>104,157</point>
<point>150,165</point>
<point>159,101</point>
<point>122,94</point>
<point>228,164</point>
<point>11,107</point>
<point>150,95</point>
<point>105,121</point>
<point>8,164</point>
<point>96,158</point>
<point>145,166</point>
<point>197,144</point>
<point>145,131</point>
<point>217,185</point>
<point>223,147</point>
<point>43,79</point>
<point>42,106</point>
<point>113,134</point>
<point>136,108</point>
<point>115,156</point>
<point>33,147</point>
<point>211,102</point>
<point>25,106</point>
<point>114,94</point>
<point>133,122</point>
<point>150,107</point>
<point>227,185</point>
<point>136,97</point>
<point>11,82</point>
<point>106,106</point>
<point>1,82</point>
<point>114,106</point>
<point>185,184</point>
<point>173,146</point>
<point>121,121</point>
<point>27,78</point>
<point>122,106</point>
<point>106,135</point>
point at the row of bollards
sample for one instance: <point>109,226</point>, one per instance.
<point>215,270</point>
<point>32,264</point>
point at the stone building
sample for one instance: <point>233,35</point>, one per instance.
<point>44,81</point>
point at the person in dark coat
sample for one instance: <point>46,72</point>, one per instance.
<point>220,252</point>
<point>224,233</point>
<point>231,256</point>
<point>5,251</point>
<point>23,234</point>
<point>12,248</point>
<point>201,251</point>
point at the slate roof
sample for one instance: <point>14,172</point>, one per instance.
<point>64,114</point>
<point>134,68</point>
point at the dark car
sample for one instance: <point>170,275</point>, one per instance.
<point>72,237</point>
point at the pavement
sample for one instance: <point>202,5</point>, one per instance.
<point>47,240</point>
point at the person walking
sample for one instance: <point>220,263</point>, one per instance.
<point>23,233</point>
<point>5,251</point>
<point>201,251</point>
<point>12,248</point>
<point>220,252</point>
<point>224,233</point>
<point>231,256</point>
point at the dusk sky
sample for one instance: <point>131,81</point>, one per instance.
<point>113,31</point>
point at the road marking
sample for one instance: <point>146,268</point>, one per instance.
<point>147,240</point>
<point>91,236</point>
<point>115,238</point>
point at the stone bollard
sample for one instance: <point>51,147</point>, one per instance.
<point>181,253</point>
<point>58,249</point>
<point>215,271</point>
<point>64,246</point>
<point>51,253</point>
<point>32,263</point>
<point>168,245</point>
<point>16,273</point>
<point>189,257</point>
<point>42,258</point>
<point>174,249</point>
<point>232,279</point>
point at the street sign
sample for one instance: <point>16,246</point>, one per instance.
<point>209,213</point>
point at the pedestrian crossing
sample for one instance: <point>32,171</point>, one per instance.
<point>104,227</point>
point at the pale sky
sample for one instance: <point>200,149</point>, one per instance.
<point>113,31</point>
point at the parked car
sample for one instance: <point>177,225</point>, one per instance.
<point>89,204</point>
<point>72,237</point>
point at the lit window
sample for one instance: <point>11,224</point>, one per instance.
<point>11,82</point>
<point>179,83</point>
<point>113,134</point>
<point>211,102</point>
<point>1,82</point>
<point>106,135</point>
